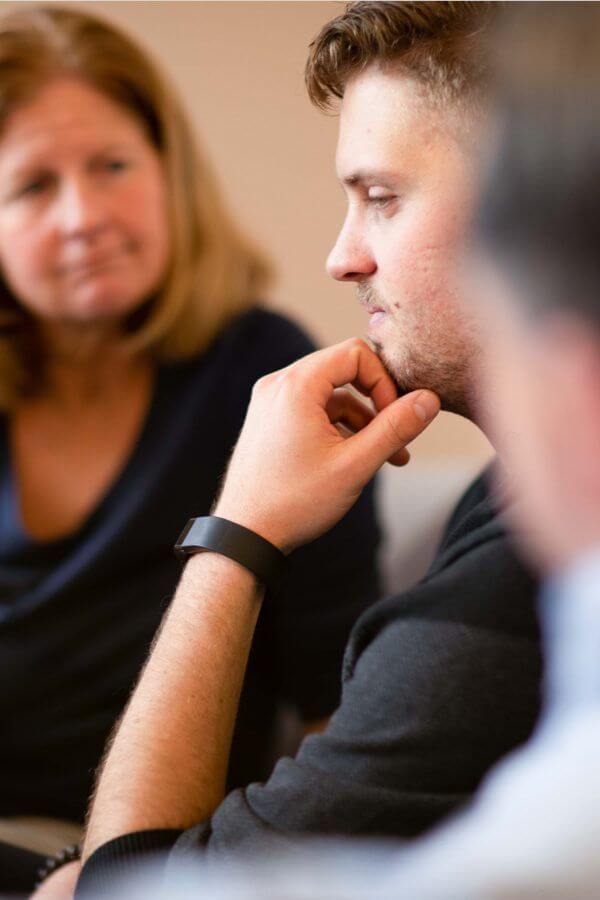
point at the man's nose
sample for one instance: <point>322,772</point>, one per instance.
<point>82,210</point>
<point>351,258</point>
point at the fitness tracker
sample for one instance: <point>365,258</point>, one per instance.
<point>246,547</point>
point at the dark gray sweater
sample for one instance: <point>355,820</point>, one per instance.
<point>438,684</point>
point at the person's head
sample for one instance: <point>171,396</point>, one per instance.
<point>539,228</point>
<point>411,78</point>
<point>109,216</point>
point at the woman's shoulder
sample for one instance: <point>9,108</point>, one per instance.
<point>269,332</point>
<point>257,341</point>
<point>252,344</point>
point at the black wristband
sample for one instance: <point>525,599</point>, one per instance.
<point>246,547</point>
<point>54,863</point>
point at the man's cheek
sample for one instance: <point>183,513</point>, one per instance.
<point>400,274</point>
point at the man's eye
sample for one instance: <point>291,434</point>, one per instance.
<point>381,201</point>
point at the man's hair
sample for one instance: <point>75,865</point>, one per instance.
<point>439,44</point>
<point>540,209</point>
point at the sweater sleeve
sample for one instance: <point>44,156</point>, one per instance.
<point>122,857</point>
<point>431,702</point>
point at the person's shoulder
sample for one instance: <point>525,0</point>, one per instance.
<point>257,342</point>
<point>476,496</point>
<point>268,336</point>
<point>252,343</point>
<point>484,588</point>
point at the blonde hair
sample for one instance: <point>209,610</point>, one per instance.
<point>214,272</point>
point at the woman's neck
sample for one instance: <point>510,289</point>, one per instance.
<point>87,364</point>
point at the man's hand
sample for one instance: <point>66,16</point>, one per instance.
<point>293,473</point>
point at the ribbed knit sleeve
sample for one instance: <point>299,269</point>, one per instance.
<point>122,857</point>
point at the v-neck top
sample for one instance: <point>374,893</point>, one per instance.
<point>77,614</point>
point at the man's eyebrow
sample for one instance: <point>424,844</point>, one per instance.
<point>367,176</point>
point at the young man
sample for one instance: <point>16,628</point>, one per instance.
<point>439,682</point>
<point>532,830</point>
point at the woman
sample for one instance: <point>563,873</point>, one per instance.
<point>129,344</point>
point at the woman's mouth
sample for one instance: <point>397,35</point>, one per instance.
<point>92,265</point>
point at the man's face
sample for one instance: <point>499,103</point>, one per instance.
<point>410,187</point>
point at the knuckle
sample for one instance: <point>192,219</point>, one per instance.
<point>262,384</point>
<point>356,344</point>
<point>394,431</point>
<point>296,375</point>
<point>294,371</point>
<point>295,383</point>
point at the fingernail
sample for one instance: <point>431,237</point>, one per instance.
<point>426,405</point>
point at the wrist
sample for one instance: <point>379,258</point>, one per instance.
<point>247,548</point>
<point>212,565</point>
<point>266,526</point>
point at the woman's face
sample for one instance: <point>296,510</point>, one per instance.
<point>83,221</point>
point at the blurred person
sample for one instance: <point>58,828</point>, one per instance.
<point>532,829</point>
<point>130,340</point>
<point>439,683</point>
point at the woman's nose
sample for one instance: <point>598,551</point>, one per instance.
<point>81,209</point>
<point>351,258</point>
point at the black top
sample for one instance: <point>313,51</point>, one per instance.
<point>77,615</point>
<point>439,683</point>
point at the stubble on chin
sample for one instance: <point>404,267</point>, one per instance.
<point>379,350</point>
<point>446,368</point>
<point>441,362</point>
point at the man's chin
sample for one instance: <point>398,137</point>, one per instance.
<point>411,373</point>
<point>380,351</point>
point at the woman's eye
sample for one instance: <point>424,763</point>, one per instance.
<point>115,165</point>
<point>32,188</point>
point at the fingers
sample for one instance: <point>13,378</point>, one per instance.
<point>389,432</point>
<point>400,458</point>
<point>344,408</point>
<point>351,362</point>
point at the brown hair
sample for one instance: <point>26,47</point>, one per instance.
<point>436,42</point>
<point>214,272</point>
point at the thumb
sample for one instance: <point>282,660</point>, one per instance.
<point>393,428</point>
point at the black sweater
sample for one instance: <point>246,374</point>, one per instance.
<point>78,614</point>
<point>439,683</point>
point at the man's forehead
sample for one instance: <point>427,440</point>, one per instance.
<point>382,122</point>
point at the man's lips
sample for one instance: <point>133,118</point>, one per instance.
<point>371,308</point>
<point>377,315</point>
<point>377,318</point>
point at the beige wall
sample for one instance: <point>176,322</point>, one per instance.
<point>239,67</point>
